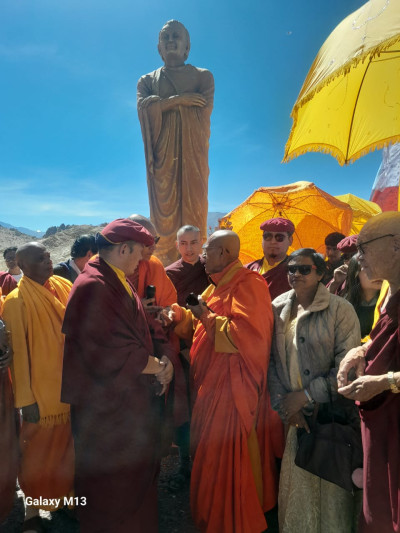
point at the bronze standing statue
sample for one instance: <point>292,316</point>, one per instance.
<point>174,105</point>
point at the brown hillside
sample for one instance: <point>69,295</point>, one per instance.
<point>59,244</point>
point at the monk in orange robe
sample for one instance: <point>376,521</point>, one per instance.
<point>150,271</point>
<point>33,313</point>
<point>8,429</point>
<point>234,480</point>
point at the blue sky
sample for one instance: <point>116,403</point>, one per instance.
<point>70,144</point>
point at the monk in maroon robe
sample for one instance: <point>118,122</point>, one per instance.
<point>9,451</point>
<point>377,386</point>
<point>188,274</point>
<point>333,255</point>
<point>277,237</point>
<point>112,380</point>
<point>7,283</point>
<point>348,248</point>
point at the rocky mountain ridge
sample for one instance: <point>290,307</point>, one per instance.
<point>59,240</point>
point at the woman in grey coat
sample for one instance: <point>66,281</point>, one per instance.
<point>313,332</point>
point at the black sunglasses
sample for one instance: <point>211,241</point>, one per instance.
<point>304,270</point>
<point>279,237</point>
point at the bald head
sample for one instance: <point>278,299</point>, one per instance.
<point>221,249</point>
<point>379,247</point>
<point>229,240</point>
<point>34,260</point>
<point>384,223</point>
<point>145,222</point>
<point>148,224</point>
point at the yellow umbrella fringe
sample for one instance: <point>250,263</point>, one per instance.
<point>374,146</point>
<point>338,154</point>
<point>313,147</point>
<point>344,69</point>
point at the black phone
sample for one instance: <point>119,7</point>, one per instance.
<point>192,299</point>
<point>150,292</point>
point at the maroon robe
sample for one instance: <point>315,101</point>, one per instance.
<point>115,412</point>
<point>380,426</point>
<point>188,278</point>
<point>9,450</point>
<point>277,277</point>
<point>7,283</point>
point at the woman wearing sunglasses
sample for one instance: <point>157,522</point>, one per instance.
<point>314,330</point>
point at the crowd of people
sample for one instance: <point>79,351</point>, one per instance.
<point>113,357</point>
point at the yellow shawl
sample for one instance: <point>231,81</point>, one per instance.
<point>34,316</point>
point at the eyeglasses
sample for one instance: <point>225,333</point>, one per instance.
<point>156,239</point>
<point>304,270</point>
<point>279,237</point>
<point>360,246</point>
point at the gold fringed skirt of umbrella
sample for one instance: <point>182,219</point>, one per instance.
<point>349,104</point>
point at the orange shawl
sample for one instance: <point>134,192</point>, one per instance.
<point>152,272</point>
<point>34,314</point>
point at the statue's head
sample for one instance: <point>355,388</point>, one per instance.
<point>174,42</point>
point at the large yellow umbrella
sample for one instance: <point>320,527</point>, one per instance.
<point>314,213</point>
<point>362,210</point>
<point>350,101</point>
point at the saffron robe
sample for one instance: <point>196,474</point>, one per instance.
<point>152,272</point>
<point>277,277</point>
<point>380,427</point>
<point>188,278</point>
<point>33,313</point>
<point>7,283</point>
<point>176,149</point>
<point>234,479</point>
<point>115,411</point>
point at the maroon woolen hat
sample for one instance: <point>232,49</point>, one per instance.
<point>123,230</point>
<point>348,245</point>
<point>278,224</point>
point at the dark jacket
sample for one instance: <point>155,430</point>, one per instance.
<point>65,270</point>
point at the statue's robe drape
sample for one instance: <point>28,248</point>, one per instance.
<point>176,150</point>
